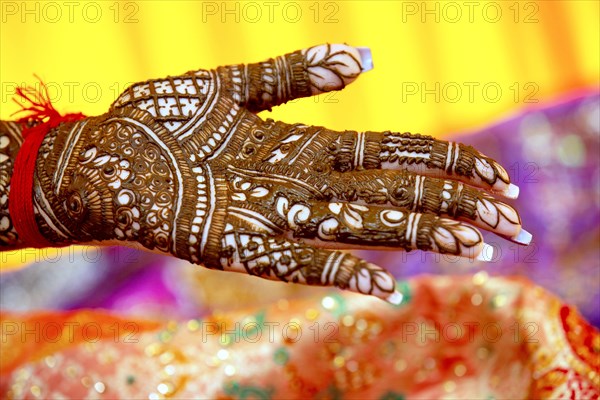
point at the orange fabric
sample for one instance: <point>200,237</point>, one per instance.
<point>31,337</point>
<point>465,337</point>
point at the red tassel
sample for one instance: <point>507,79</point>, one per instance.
<point>40,109</point>
<point>40,119</point>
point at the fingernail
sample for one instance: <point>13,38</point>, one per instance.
<point>366,58</point>
<point>512,191</point>
<point>487,253</point>
<point>395,298</point>
<point>523,237</point>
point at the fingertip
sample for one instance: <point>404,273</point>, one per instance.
<point>523,237</point>
<point>366,58</point>
<point>486,254</point>
<point>512,191</point>
<point>395,298</point>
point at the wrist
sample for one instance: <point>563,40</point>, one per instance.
<point>10,143</point>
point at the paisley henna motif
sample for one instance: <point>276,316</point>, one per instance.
<point>184,166</point>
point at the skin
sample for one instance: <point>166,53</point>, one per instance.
<point>184,166</point>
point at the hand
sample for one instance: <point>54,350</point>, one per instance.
<point>184,166</point>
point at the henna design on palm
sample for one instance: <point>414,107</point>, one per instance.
<point>184,166</point>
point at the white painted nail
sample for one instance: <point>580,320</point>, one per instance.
<point>512,191</point>
<point>487,253</point>
<point>523,237</point>
<point>395,298</point>
<point>366,58</point>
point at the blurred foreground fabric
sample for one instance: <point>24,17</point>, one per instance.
<point>461,337</point>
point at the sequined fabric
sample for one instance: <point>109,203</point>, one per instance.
<point>461,337</point>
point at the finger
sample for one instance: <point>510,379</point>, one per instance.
<point>446,160</point>
<point>363,226</point>
<point>355,151</point>
<point>277,258</point>
<point>424,155</point>
<point>308,72</point>
<point>429,195</point>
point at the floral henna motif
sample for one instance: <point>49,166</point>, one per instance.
<point>184,166</point>
<point>376,226</point>
<point>430,195</point>
<point>331,67</point>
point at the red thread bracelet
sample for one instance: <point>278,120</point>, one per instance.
<point>20,198</point>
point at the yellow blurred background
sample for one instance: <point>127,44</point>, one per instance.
<point>440,67</point>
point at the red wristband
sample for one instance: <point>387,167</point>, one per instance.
<point>20,198</point>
